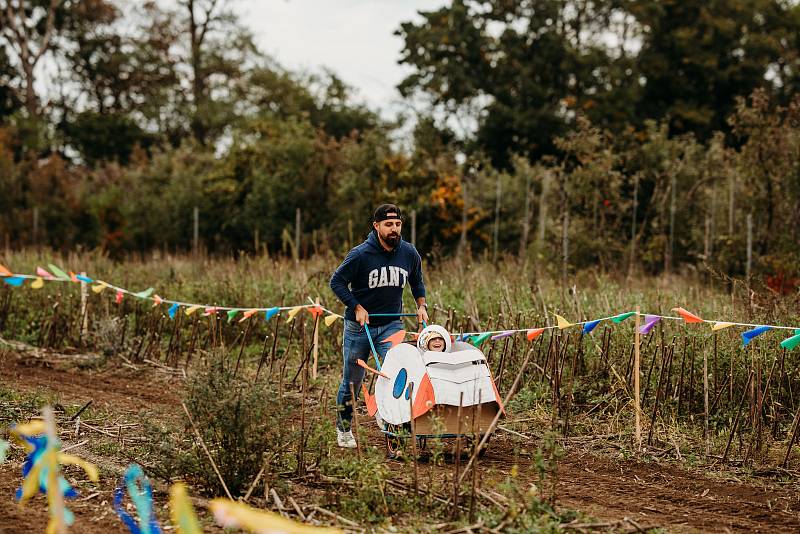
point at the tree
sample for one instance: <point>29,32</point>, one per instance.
<point>518,70</point>
<point>697,56</point>
<point>28,27</point>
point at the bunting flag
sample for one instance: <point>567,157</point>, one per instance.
<point>315,311</point>
<point>396,338</point>
<point>232,314</point>
<point>73,277</point>
<point>533,334</point>
<point>748,336</point>
<point>4,271</point>
<point>99,287</point>
<point>591,325</point>
<point>58,273</point>
<point>41,469</point>
<point>4,446</point>
<point>140,492</point>
<point>718,325</point>
<point>191,309</point>
<point>246,315</point>
<point>330,319</point>
<point>650,321</point>
<point>562,323</point>
<point>82,278</point>
<point>182,512</point>
<point>157,301</point>
<point>144,294</point>
<point>272,312</point>
<point>44,274</point>
<point>173,310</point>
<point>687,316</point>
<point>38,283</point>
<point>479,340</point>
<point>14,281</point>
<point>232,514</point>
<point>791,342</point>
<point>211,310</point>
<point>118,298</point>
<point>621,317</point>
<point>293,313</point>
<point>502,335</point>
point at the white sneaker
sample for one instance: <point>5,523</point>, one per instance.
<point>345,439</point>
<point>381,422</point>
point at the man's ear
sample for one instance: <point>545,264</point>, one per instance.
<point>375,225</point>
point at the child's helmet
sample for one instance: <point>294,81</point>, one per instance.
<point>430,332</point>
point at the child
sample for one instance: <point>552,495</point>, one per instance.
<point>434,338</point>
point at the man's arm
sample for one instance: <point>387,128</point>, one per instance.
<point>418,290</point>
<point>342,277</point>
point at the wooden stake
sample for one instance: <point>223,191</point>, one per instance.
<point>203,445</point>
<point>705,400</point>
<point>354,420</point>
<point>457,459</point>
<point>636,363</point>
<point>736,420</point>
<point>316,343</point>
<point>413,437</point>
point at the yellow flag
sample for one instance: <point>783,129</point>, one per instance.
<point>38,283</point>
<point>329,320</point>
<point>720,325</point>
<point>182,512</point>
<point>99,287</point>
<point>237,515</point>
<point>562,323</point>
<point>293,312</point>
<point>190,310</point>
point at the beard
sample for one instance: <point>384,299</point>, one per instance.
<point>392,239</point>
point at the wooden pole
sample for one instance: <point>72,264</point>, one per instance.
<point>316,343</point>
<point>297,222</point>
<point>749,250</point>
<point>496,229</point>
<point>84,302</point>
<point>414,227</point>
<point>526,223</point>
<point>636,364</point>
<point>633,223</point>
<point>705,400</point>
<point>208,454</point>
<point>196,232</point>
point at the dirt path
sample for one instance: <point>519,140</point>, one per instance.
<point>652,494</point>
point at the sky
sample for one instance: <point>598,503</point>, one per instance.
<point>353,38</point>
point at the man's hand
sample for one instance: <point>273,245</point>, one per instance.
<point>422,315</point>
<point>362,316</point>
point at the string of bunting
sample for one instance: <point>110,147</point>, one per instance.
<point>477,339</point>
<point>650,321</point>
<point>56,274</point>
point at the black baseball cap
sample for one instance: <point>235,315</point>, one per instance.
<point>386,211</point>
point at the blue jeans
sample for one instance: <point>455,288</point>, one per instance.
<point>355,346</point>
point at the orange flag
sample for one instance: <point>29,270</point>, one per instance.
<point>533,334</point>
<point>396,338</point>
<point>688,316</point>
<point>4,271</point>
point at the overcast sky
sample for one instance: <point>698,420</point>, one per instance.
<point>353,38</point>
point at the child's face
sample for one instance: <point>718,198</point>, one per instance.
<point>436,344</point>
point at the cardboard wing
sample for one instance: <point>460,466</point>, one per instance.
<point>406,373</point>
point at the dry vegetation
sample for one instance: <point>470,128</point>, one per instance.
<point>565,457</point>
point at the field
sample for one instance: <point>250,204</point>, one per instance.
<point>565,457</point>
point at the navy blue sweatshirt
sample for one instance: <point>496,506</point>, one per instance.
<point>376,278</point>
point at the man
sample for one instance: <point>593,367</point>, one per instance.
<point>370,280</point>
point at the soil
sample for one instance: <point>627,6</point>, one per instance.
<point>603,485</point>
